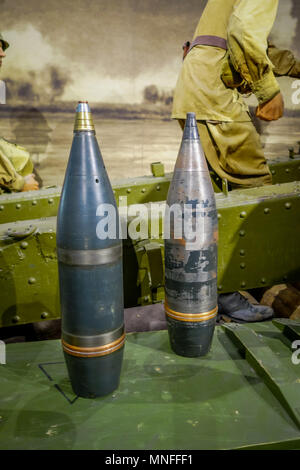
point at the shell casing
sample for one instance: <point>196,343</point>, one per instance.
<point>191,256</point>
<point>90,270</point>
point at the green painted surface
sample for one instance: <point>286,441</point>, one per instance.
<point>144,189</point>
<point>259,246</point>
<point>163,402</point>
<point>259,232</point>
<point>44,203</point>
<point>289,328</point>
<point>285,170</point>
<point>272,364</point>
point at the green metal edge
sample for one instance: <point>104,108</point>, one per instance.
<point>290,328</point>
<point>284,383</point>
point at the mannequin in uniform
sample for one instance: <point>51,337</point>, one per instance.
<point>15,163</point>
<point>232,56</point>
<point>229,56</point>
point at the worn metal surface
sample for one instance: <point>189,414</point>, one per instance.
<point>191,249</point>
<point>258,246</point>
<point>164,401</point>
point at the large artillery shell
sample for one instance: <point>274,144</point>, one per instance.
<point>191,257</point>
<point>90,269</point>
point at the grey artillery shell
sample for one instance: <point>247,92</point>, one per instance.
<point>191,235</point>
<point>90,269</point>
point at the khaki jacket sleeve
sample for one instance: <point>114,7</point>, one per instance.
<point>284,62</point>
<point>248,29</point>
<point>9,178</point>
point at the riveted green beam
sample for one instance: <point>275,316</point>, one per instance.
<point>144,189</point>
<point>259,233</point>
<point>44,203</point>
<point>258,246</point>
<point>254,227</point>
<point>281,376</point>
<point>284,170</point>
<point>29,205</point>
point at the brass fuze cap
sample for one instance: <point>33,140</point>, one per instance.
<point>83,119</point>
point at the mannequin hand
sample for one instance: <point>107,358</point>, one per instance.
<point>271,110</point>
<point>30,183</point>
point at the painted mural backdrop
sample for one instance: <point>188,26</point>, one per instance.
<point>123,56</point>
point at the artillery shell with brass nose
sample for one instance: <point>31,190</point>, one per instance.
<point>90,269</point>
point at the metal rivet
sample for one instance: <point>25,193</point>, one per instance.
<point>18,206</point>
<point>157,188</point>
<point>263,280</point>
<point>143,190</point>
<point>32,280</point>
<point>220,287</point>
<point>242,233</point>
<point>34,203</point>
<point>24,245</point>
<point>219,216</point>
<point>242,252</point>
<point>288,205</point>
<point>50,201</point>
<point>243,284</point>
<point>287,170</point>
<point>243,215</point>
<point>44,315</point>
<point>129,190</point>
<point>266,210</point>
<point>273,172</point>
<point>242,265</point>
<point>16,319</point>
<point>1,208</point>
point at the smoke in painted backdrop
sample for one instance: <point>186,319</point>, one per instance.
<point>120,51</point>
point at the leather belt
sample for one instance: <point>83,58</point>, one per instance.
<point>206,40</point>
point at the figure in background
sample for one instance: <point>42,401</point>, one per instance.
<point>16,167</point>
<point>227,58</point>
<point>230,56</point>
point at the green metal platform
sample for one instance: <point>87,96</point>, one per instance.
<point>244,395</point>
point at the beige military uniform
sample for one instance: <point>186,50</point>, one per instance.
<point>15,161</point>
<point>230,141</point>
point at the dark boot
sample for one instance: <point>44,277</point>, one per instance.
<point>237,307</point>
